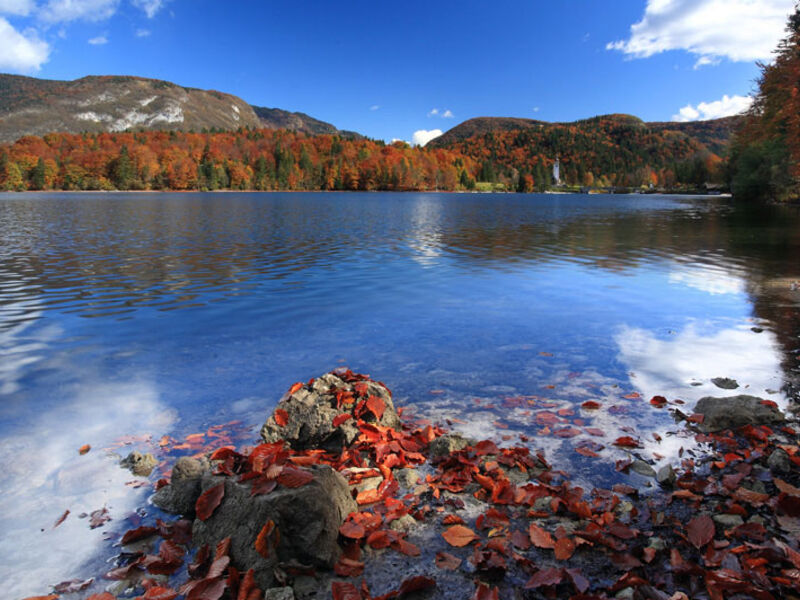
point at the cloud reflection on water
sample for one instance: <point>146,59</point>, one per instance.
<point>44,475</point>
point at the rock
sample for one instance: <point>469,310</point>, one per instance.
<point>666,476</point>
<point>779,462</point>
<point>728,521</point>
<point>542,504</point>
<point>306,587</point>
<point>189,468</point>
<point>311,410</point>
<point>657,543</point>
<point>643,469</point>
<point>281,593</point>
<point>736,411</point>
<point>627,593</point>
<point>408,478</point>
<point>404,523</point>
<point>139,464</point>
<point>181,494</point>
<point>725,383</point>
<point>307,519</point>
<point>449,443</point>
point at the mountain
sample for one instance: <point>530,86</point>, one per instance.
<point>610,150</point>
<point>714,134</point>
<point>30,106</point>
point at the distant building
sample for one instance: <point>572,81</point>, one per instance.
<point>557,172</point>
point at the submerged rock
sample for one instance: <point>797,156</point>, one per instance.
<point>139,464</point>
<point>306,518</point>
<point>736,411</point>
<point>725,383</point>
<point>314,415</point>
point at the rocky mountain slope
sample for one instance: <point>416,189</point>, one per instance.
<point>30,106</point>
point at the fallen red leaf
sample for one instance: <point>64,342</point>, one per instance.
<point>627,442</point>
<point>344,590</point>
<point>339,419</point>
<point>267,539</point>
<point>459,536</point>
<point>160,593</point>
<point>208,501</point>
<point>347,567</point>
<point>484,592</point>
<point>551,576</point>
<point>295,387</point>
<point>376,406</point>
<point>445,560</point>
<point>539,537</point>
<point>416,584</point>
<point>84,449</point>
<point>134,535</point>
<point>293,478</point>
<point>700,531</point>
<point>658,401</point>
<point>352,530</point>
<point>281,417</point>
<point>61,519</point>
<point>564,548</point>
<point>591,405</point>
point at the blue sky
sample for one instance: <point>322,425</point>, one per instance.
<point>389,70</point>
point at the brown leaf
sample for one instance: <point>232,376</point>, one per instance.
<point>416,584</point>
<point>347,567</point>
<point>268,537</point>
<point>292,477</point>
<point>551,576</point>
<point>484,592</point>
<point>459,536</point>
<point>134,535</point>
<point>591,405</point>
<point>445,560</point>
<point>208,501</point>
<point>700,531</point>
<point>84,449</point>
<point>344,590</point>
<point>61,519</point>
<point>352,530</point>
<point>786,488</point>
<point>564,548</point>
<point>539,537</point>
<point>160,593</point>
<point>626,442</point>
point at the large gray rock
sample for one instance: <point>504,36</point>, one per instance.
<point>181,494</point>
<point>447,444</point>
<point>139,464</point>
<point>736,411</point>
<point>312,408</point>
<point>307,519</point>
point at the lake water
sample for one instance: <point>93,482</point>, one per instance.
<point>124,316</point>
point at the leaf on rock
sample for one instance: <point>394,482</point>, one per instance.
<point>344,590</point>
<point>208,501</point>
<point>352,530</point>
<point>459,536</point>
<point>294,478</point>
<point>551,576</point>
<point>343,418</point>
<point>269,536</point>
<point>539,537</point>
<point>281,417</point>
<point>376,406</point>
<point>416,584</point>
<point>700,531</point>
<point>446,561</point>
<point>295,387</point>
<point>564,548</point>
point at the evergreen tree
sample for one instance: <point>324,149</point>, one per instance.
<point>123,172</point>
<point>38,175</point>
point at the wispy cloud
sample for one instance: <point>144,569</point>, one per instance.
<point>17,7</point>
<point>423,136</point>
<point>444,114</point>
<point>740,30</point>
<point>375,107</point>
<point>22,52</point>
<point>100,40</point>
<point>725,107</point>
<point>447,115</point>
<point>60,11</point>
<point>142,33</point>
<point>150,7</point>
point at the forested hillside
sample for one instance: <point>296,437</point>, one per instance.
<point>765,155</point>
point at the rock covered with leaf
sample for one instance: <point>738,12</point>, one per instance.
<point>324,413</point>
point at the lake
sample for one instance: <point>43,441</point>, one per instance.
<point>128,317</point>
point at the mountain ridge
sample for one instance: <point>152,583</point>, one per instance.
<point>114,103</point>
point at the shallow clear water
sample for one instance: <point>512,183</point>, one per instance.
<point>155,314</point>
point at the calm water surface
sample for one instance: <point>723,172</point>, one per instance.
<point>162,314</point>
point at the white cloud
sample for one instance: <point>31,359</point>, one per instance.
<point>447,115</point>
<point>422,136</point>
<point>59,11</point>
<point>726,107</point>
<point>444,114</point>
<point>16,7</point>
<point>141,33</point>
<point>740,30</point>
<point>150,7</point>
<point>375,107</point>
<point>100,40</point>
<point>535,109</point>
<point>21,51</point>
<point>433,112</point>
